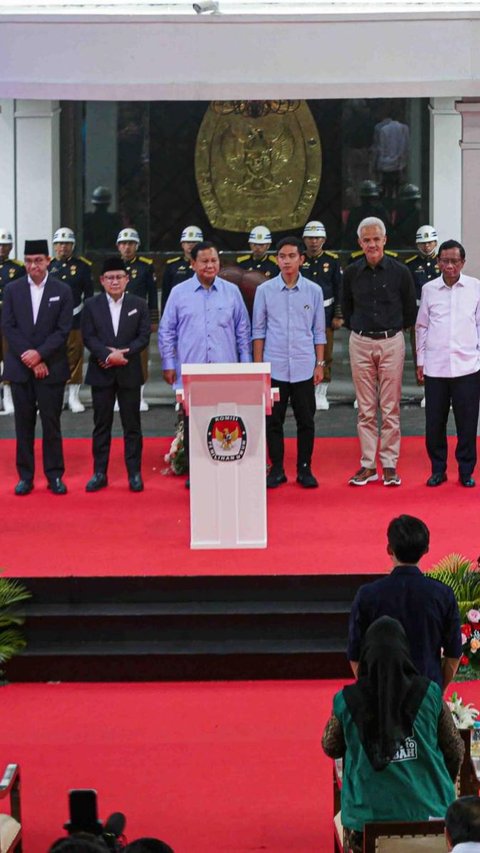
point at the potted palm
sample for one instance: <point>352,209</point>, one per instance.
<point>12,640</point>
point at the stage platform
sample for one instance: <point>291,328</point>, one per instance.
<point>335,529</point>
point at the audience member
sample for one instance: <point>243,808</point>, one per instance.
<point>80,843</point>
<point>148,845</point>
<point>378,302</point>
<point>462,825</point>
<point>400,746</point>
<point>448,361</point>
<point>425,607</point>
<point>288,330</point>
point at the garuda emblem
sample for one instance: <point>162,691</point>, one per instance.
<point>226,438</point>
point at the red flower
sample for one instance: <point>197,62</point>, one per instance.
<point>464,660</point>
<point>467,629</point>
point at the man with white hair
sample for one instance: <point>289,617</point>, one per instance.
<point>378,303</point>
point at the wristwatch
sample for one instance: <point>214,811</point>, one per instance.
<point>321,363</point>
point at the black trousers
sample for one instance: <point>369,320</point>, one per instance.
<point>49,398</point>
<point>463,392</point>
<point>103,400</point>
<point>302,398</point>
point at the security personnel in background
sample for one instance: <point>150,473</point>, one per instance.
<point>424,267</point>
<point>76,272</point>
<point>260,240</point>
<point>10,269</point>
<point>178,269</point>
<point>324,269</point>
<point>370,205</point>
<point>101,225</point>
<point>141,282</point>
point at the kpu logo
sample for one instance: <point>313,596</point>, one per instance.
<point>226,438</point>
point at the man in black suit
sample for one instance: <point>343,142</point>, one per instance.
<point>37,317</point>
<point>115,328</point>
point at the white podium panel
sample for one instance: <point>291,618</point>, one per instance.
<point>226,405</point>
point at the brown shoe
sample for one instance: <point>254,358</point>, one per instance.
<point>364,476</point>
<point>390,477</point>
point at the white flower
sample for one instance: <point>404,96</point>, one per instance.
<point>464,715</point>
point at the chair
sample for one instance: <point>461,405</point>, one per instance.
<point>10,823</point>
<point>424,836</point>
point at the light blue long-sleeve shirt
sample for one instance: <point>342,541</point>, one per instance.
<point>290,321</point>
<point>204,325</point>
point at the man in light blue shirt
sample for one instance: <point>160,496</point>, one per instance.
<point>288,330</point>
<point>204,322</point>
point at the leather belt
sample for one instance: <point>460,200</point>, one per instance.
<point>378,336</point>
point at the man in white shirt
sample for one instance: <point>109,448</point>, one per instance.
<point>448,361</point>
<point>462,825</point>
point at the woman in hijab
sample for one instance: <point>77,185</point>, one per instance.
<point>400,746</point>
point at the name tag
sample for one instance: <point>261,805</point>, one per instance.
<point>132,312</point>
<point>54,299</point>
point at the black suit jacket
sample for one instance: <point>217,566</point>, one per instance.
<point>48,335</point>
<point>98,335</point>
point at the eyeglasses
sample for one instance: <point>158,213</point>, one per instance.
<point>112,278</point>
<point>454,262</point>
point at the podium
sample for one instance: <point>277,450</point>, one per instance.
<point>226,405</point>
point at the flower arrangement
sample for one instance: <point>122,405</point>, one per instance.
<point>176,459</point>
<point>464,716</point>
<point>463,576</point>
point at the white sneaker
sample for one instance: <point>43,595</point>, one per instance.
<point>321,402</point>
<point>74,403</point>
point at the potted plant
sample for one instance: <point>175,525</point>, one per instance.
<point>12,640</point>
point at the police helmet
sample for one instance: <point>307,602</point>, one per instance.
<point>6,238</point>
<point>128,234</point>
<point>191,234</point>
<point>425,234</point>
<point>410,191</point>
<point>369,189</point>
<point>260,234</point>
<point>101,195</point>
<point>314,229</point>
<point>64,235</point>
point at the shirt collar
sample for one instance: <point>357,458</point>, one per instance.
<point>112,301</point>
<point>197,284</point>
<point>381,264</point>
<point>296,286</point>
<point>406,570</point>
<point>461,282</point>
<point>32,283</point>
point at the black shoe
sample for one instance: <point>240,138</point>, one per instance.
<point>136,483</point>
<point>437,479</point>
<point>275,478</point>
<point>306,478</point>
<point>467,481</point>
<point>57,486</point>
<point>98,481</point>
<point>187,483</point>
<point>24,487</point>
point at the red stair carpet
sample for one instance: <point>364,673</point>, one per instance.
<point>209,768</point>
<point>334,529</point>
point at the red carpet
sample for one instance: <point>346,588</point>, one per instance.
<point>207,767</point>
<point>334,529</point>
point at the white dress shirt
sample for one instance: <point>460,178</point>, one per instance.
<point>36,293</point>
<point>115,310</point>
<point>448,328</point>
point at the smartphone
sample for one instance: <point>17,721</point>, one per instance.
<point>83,811</point>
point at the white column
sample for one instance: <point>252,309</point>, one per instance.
<point>37,170</point>
<point>445,169</point>
<point>7,148</point>
<point>470,148</point>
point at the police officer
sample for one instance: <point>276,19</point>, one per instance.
<point>260,240</point>
<point>76,272</point>
<point>178,269</point>
<point>324,268</point>
<point>141,282</point>
<point>423,266</point>
<point>10,269</point>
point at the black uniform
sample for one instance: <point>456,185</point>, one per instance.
<point>176,270</point>
<point>77,273</point>
<point>142,282</point>
<point>326,271</point>
<point>266,265</point>
<point>423,269</point>
<point>9,271</point>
